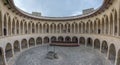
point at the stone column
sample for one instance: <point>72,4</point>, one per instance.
<point>85,42</point>
<point>100,46</point>
<point>35,42</point>
<point>113,27</point>
<point>116,58</point>
<point>78,41</point>
<point>38,28</point>
<point>4,55</point>
<point>118,25</point>
<point>20,46</point>
<point>108,52</point>
<point>15,30</point>
<point>7,27</point>
<point>23,27</point>
<point>19,28</point>
<point>13,53</point>
<point>11,28</point>
<point>35,29</point>
<point>28,44</point>
<point>109,31</point>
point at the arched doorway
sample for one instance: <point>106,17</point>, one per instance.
<point>89,42</point>
<point>112,53</point>
<point>53,39</point>
<point>24,44</point>
<point>16,47</point>
<point>60,39</point>
<point>82,40</point>
<point>75,39</point>
<point>31,42</point>
<point>8,51</point>
<point>67,39</point>
<point>39,41</point>
<point>97,44</point>
<point>46,40</point>
<point>104,48</point>
<point>2,62</point>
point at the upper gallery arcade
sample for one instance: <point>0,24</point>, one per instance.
<point>19,30</point>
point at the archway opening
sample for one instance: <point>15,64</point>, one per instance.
<point>16,47</point>
<point>82,40</point>
<point>89,42</point>
<point>104,48</point>
<point>39,41</point>
<point>46,40</point>
<point>67,39</point>
<point>60,39</point>
<point>75,39</point>
<point>24,44</point>
<point>97,44</point>
<point>8,51</point>
<point>31,42</point>
<point>112,53</point>
<point>53,39</point>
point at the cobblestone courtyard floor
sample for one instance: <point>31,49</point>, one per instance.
<point>67,56</point>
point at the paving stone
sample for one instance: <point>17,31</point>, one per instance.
<point>67,56</point>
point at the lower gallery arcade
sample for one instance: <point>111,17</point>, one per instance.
<point>99,31</point>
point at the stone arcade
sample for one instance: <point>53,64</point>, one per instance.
<point>97,33</point>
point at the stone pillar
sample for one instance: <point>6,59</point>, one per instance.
<point>11,29</point>
<point>109,27</point>
<point>20,46</point>
<point>113,27</point>
<point>97,27</point>
<point>105,26</point>
<point>15,30</point>
<point>7,27</point>
<point>35,42</point>
<point>30,28</point>
<point>13,53</point>
<point>35,29</point>
<point>93,44</point>
<point>78,41</point>
<point>38,28</point>
<point>82,28</point>
<point>116,58</point>
<point>23,27</point>
<point>85,42</point>
<point>108,52</point>
<point>19,28</point>
<point>28,44</point>
<point>50,31</point>
<point>100,46</point>
<point>4,55</point>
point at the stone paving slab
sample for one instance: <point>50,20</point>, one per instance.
<point>67,56</point>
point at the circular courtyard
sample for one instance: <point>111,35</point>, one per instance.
<point>66,56</point>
